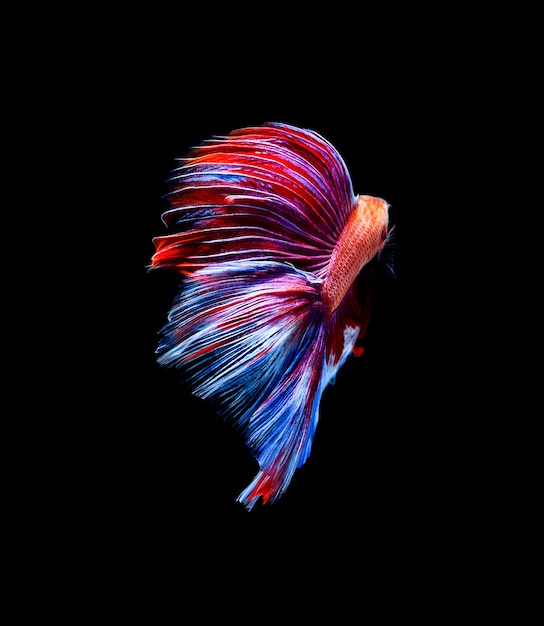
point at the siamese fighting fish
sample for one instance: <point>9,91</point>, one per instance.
<point>276,255</point>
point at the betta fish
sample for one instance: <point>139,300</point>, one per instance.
<point>276,255</point>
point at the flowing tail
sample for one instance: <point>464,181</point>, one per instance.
<point>251,338</point>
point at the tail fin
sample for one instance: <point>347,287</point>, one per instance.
<point>250,337</point>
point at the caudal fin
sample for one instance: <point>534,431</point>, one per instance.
<point>250,337</point>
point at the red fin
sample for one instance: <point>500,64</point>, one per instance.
<point>273,192</point>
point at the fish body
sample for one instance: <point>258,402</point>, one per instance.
<point>276,252</point>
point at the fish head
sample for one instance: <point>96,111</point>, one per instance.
<point>375,215</point>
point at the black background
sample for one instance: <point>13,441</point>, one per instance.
<point>406,466</point>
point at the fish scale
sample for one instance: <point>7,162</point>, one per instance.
<point>357,244</point>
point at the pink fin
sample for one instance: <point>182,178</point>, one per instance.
<point>250,338</point>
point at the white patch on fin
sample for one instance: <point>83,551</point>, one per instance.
<point>351,333</point>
